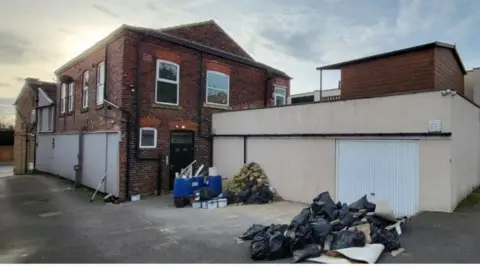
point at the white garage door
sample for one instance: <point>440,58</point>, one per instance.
<point>385,170</point>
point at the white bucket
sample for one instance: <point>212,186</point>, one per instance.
<point>135,197</point>
<point>222,202</point>
<point>197,205</point>
<point>212,171</point>
<point>204,204</point>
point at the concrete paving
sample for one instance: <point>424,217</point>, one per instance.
<point>6,170</point>
<point>44,221</point>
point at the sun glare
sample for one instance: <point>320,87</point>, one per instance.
<point>87,39</point>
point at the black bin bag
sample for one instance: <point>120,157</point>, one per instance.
<point>324,206</point>
<point>309,251</point>
<point>347,239</point>
<point>362,203</point>
<point>259,246</point>
<point>320,230</point>
<point>253,231</point>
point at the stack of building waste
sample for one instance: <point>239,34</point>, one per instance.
<point>327,228</point>
<point>249,186</point>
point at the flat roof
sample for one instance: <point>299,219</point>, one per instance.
<point>397,52</point>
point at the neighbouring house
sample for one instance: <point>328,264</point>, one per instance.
<point>472,85</point>
<point>136,107</point>
<point>402,131</point>
<point>32,94</point>
<point>315,96</point>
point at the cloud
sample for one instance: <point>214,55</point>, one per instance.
<point>4,85</point>
<point>15,49</point>
<point>106,11</point>
<point>151,6</point>
<point>66,31</point>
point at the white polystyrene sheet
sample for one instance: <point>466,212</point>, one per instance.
<point>367,254</point>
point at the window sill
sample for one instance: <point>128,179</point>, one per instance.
<point>166,106</point>
<point>217,106</point>
<point>84,110</point>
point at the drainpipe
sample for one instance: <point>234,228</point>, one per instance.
<point>136,129</point>
<point>268,76</point>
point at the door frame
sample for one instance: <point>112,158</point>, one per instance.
<point>170,152</point>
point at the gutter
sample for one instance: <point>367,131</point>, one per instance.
<point>443,134</point>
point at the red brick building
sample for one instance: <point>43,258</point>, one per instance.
<point>159,89</point>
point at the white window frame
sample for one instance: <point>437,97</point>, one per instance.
<point>85,81</point>
<point>71,96</point>
<point>206,87</point>
<point>177,82</point>
<point>275,94</point>
<point>100,83</point>
<point>154,138</point>
<point>50,117</point>
<point>63,94</point>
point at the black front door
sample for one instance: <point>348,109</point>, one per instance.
<point>181,152</point>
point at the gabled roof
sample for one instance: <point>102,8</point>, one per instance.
<point>49,91</point>
<point>177,41</point>
<point>185,31</point>
<point>34,84</point>
<point>397,52</point>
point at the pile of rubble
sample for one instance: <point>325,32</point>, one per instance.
<point>249,186</point>
<point>328,229</point>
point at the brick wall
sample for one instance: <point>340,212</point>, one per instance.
<point>247,90</point>
<point>95,117</point>
<point>448,73</point>
<point>24,145</point>
<point>400,73</point>
<point>209,34</point>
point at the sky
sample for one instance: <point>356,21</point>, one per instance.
<point>37,37</point>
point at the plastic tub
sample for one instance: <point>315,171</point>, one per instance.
<point>215,183</point>
<point>196,184</point>
<point>222,202</point>
<point>182,187</point>
<point>205,204</point>
<point>212,204</point>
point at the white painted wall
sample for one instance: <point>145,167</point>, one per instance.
<point>401,113</point>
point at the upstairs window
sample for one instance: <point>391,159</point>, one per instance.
<point>85,89</point>
<point>280,96</point>
<point>63,96</point>
<point>100,83</point>
<point>71,96</point>
<point>218,88</point>
<point>168,79</point>
<point>148,138</point>
<point>50,118</point>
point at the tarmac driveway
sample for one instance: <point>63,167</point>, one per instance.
<point>43,221</point>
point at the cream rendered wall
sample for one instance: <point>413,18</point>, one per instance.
<point>400,113</point>
<point>298,168</point>
<point>435,170</point>
<point>465,150</point>
<point>228,155</point>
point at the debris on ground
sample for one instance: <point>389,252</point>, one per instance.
<point>326,231</point>
<point>249,186</point>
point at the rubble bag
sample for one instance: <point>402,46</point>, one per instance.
<point>277,246</point>
<point>345,218</point>
<point>389,239</point>
<point>309,251</point>
<point>259,246</point>
<point>320,230</point>
<point>348,239</point>
<point>253,231</point>
<point>362,203</point>
<point>324,206</point>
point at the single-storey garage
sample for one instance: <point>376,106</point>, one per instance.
<point>420,151</point>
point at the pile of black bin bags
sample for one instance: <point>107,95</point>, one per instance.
<point>306,234</point>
